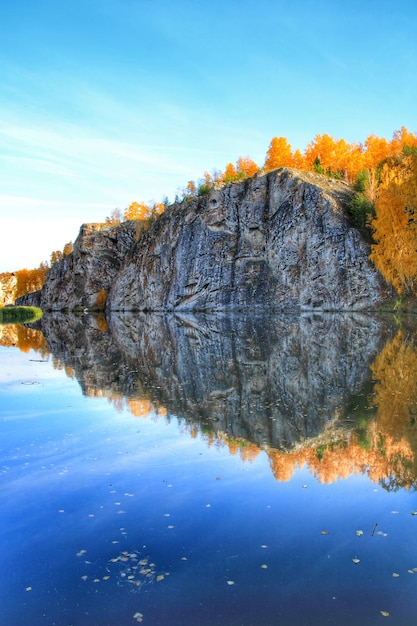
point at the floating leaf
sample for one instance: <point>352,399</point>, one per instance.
<point>84,578</point>
<point>413,512</point>
<point>81,552</point>
<point>230,582</point>
<point>28,589</point>
<point>359,533</point>
<point>356,561</point>
<point>395,575</point>
<point>106,577</point>
<point>159,578</point>
<point>264,546</point>
<point>325,532</point>
<point>184,558</point>
<point>411,571</point>
<point>384,613</point>
<point>264,566</point>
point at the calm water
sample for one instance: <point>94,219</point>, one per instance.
<point>202,470</point>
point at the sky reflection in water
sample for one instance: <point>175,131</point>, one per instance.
<point>108,518</point>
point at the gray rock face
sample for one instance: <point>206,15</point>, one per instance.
<point>278,241</point>
<point>83,278</point>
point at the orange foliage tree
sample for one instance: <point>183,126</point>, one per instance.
<point>246,167</point>
<point>136,211</point>
<point>30,280</point>
<point>279,154</point>
<point>395,224</point>
<point>230,173</point>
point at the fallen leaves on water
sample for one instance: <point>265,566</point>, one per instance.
<point>135,569</point>
<point>28,589</point>
<point>325,532</point>
<point>384,613</point>
<point>230,582</point>
<point>413,512</point>
<point>81,552</point>
<point>359,533</point>
<point>356,560</point>
<point>395,575</point>
<point>138,616</point>
<point>264,566</point>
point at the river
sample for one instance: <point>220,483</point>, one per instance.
<point>200,470</point>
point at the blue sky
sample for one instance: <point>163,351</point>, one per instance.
<point>103,102</point>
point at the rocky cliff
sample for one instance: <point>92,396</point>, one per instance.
<point>83,278</point>
<point>276,241</point>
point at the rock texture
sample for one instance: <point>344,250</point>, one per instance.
<point>279,241</point>
<point>275,381</point>
<point>83,278</point>
<point>8,284</point>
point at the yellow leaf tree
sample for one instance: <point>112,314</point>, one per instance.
<point>395,224</point>
<point>246,167</point>
<point>136,211</point>
<point>279,154</point>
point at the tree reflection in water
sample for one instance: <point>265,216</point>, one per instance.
<point>334,392</point>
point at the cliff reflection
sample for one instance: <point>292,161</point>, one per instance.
<point>336,392</point>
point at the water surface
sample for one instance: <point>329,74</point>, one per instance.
<point>205,470</point>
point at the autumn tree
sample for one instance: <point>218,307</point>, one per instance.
<point>395,224</point>
<point>403,142</point>
<point>56,256</point>
<point>298,160</point>
<point>137,211</point>
<point>205,184</point>
<point>28,281</point>
<point>230,173</point>
<point>246,167</point>
<point>67,249</point>
<point>320,153</point>
<point>279,154</point>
